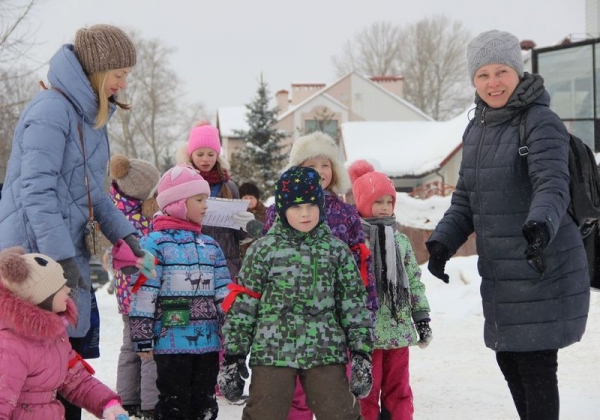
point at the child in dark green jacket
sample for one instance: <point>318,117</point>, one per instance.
<point>299,309</point>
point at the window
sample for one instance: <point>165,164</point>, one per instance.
<point>327,126</point>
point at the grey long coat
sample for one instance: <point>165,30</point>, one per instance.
<point>497,192</point>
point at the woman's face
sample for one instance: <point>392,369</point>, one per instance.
<point>495,84</point>
<point>204,158</point>
<point>323,166</point>
<point>116,80</point>
<point>253,201</point>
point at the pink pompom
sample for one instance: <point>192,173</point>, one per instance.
<point>359,168</point>
<point>13,267</point>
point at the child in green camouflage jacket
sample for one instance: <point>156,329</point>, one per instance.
<point>299,309</point>
<point>403,307</point>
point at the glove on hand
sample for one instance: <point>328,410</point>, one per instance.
<point>115,412</point>
<point>231,376</point>
<point>72,275</point>
<point>537,237</point>
<point>241,219</point>
<point>133,242</point>
<point>425,334</point>
<point>438,256</point>
<point>361,379</point>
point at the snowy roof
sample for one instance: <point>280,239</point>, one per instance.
<point>232,118</point>
<point>401,148</point>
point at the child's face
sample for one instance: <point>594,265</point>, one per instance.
<point>323,167</point>
<point>59,302</point>
<point>196,208</point>
<point>383,206</point>
<point>116,80</point>
<point>303,217</point>
<point>252,199</point>
<point>204,158</point>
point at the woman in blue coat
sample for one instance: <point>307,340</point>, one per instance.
<point>58,161</point>
<point>535,287</point>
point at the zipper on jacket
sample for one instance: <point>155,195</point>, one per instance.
<point>477,168</point>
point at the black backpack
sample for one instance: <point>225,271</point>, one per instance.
<point>584,188</point>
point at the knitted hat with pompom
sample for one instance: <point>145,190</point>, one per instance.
<point>176,186</point>
<point>32,277</point>
<point>135,178</point>
<point>368,185</point>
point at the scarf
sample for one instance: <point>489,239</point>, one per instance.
<point>168,222</point>
<point>213,177</point>
<point>388,265</point>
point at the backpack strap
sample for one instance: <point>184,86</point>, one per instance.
<point>523,149</point>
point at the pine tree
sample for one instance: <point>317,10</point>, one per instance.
<point>261,160</point>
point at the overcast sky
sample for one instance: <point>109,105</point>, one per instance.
<point>223,46</point>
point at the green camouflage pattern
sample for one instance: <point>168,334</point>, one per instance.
<point>313,304</point>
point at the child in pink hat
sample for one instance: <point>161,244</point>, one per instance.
<point>402,319</point>
<point>176,316</point>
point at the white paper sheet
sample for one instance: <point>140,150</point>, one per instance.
<point>221,210</point>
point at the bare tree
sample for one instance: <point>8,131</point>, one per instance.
<point>434,65</point>
<point>430,55</point>
<point>17,82</point>
<point>373,51</point>
<point>158,117</point>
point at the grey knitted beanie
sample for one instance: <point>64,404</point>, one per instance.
<point>103,47</point>
<point>494,47</point>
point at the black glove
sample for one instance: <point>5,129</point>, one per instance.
<point>537,237</point>
<point>361,378</point>
<point>438,256</point>
<point>425,334</point>
<point>231,376</point>
<point>133,242</point>
<point>72,275</point>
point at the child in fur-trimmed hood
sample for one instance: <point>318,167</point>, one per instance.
<point>37,362</point>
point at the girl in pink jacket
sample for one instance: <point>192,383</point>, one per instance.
<point>37,362</point>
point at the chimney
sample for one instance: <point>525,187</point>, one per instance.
<point>392,84</point>
<point>281,98</point>
<point>302,91</point>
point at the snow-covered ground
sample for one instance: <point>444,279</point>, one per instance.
<point>456,377</point>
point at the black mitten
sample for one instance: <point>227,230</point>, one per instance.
<point>438,256</point>
<point>72,275</point>
<point>425,334</point>
<point>537,237</point>
<point>231,376</point>
<point>133,242</point>
<point>361,378</point>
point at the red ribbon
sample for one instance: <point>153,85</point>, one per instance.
<point>86,365</point>
<point>234,291</point>
<point>364,254</point>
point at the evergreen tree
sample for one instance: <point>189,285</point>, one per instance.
<point>261,160</point>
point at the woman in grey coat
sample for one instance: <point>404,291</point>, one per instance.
<point>535,287</point>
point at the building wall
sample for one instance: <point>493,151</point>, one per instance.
<point>592,17</point>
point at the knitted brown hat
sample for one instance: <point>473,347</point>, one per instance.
<point>104,47</point>
<point>135,178</point>
<point>33,277</point>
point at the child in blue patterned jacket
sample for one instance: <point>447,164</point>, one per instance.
<point>175,316</point>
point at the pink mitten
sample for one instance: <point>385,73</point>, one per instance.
<point>123,256</point>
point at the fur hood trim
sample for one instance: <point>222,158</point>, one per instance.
<point>33,322</point>
<point>181,156</point>
<point>322,145</point>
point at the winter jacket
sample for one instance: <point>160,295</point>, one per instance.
<point>393,333</point>
<point>132,209</point>
<point>227,238</point>
<point>34,364</point>
<point>191,281</point>
<point>497,192</point>
<point>344,221</point>
<point>44,206</point>
<point>312,307</point>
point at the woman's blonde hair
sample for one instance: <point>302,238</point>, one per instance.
<point>98,80</point>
